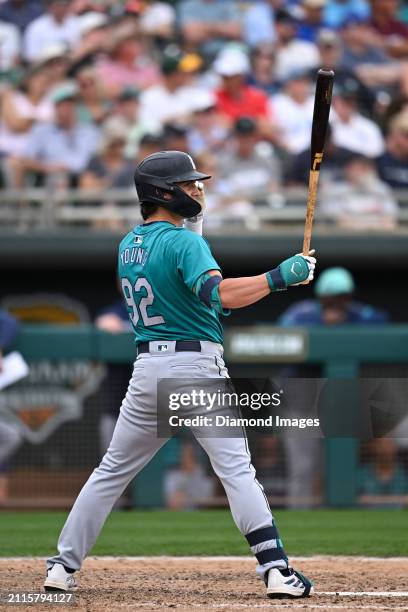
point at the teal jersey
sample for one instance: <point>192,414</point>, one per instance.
<point>158,266</point>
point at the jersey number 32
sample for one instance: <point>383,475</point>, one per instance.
<point>147,300</point>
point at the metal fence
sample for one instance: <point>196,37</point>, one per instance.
<point>114,209</point>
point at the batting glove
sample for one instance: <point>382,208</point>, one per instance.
<point>296,270</point>
<point>311,263</point>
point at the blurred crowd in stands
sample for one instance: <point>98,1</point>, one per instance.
<point>89,87</point>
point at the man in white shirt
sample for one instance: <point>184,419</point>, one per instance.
<point>57,25</point>
<point>292,53</point>
<point>350,129</point>
<point>292,112</point>
<point>176,97</point>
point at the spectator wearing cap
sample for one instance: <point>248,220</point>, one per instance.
<point>292,53</point>
<point>248,170</point>
<point>262,75</point>
<point>361,201</point>
<point>93,105</point>
<point>63,147</point>
<point>57,25</point>
<point>175,97</point>
<point>56,59</point>
<point>10,45</point>
<point>208,131</point>
<point>20,12</point>
<point>174,137</point>
<point>125,115</point>
<point>158,19</point>
<point>312,19</point>
<point>351,130</point>
<point>259,23</point>
<point>292,110</point>
<point>337,12</point>
<point>237,99</point>
<point>22,107</point>
<point>207,25</point>
<point>108,168</point>
<point>393,163</point>
<point>334,290</point>
<point>392,32</point>
<point>129,63</point>
<point>333,306</point>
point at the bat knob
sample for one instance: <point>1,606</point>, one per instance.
<point>326,73</point>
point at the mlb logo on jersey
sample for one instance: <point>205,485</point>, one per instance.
<point>162,347</point>
<point>138,240</point>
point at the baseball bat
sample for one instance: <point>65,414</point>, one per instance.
<point>322,102</point>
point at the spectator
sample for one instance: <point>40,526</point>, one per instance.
<point>330,48</point>
<point>95,39</point>
<point>236,99</point>
<point>208,24</point>
<point>249,170</point>
<point>149,143</point>
<point>62,149</point>
<point>108,169</point>
<point>125,116</point>
<point>187,485</point>
<point>259,23</point>
<point>393,33</point>
<point>57,25</point>
<point>10,44</point>
<point>393,163</point>
<point>262,74</point>
<point>129,64</point>
<point>362,200</point>
<point>292,110</point>
<point>351,130</point>
<point>370,63</point>
<point>158,19</point>
<point>334,305</point>
<point>93,106</point>
<point>382,481</point>
<point>175,137</point>
<point>175,98</point>
<point>208,131</point>
<point>337,12</point>
<point>335,159</point>
<point>23,106</point>
<point>56,60</point>
<point>292,53</point>
<point>312,19</point>
<point>20,12</point>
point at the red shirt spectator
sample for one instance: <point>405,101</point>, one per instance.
<point>246,102</point>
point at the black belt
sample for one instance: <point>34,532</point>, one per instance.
<point>181,345</point>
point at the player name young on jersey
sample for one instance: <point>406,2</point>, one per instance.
<point>133,255</point>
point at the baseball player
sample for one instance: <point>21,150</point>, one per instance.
<point>175,292</point>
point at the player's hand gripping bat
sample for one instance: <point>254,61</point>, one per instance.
<point>322,102</point>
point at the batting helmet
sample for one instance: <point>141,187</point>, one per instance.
<point>156,179</point>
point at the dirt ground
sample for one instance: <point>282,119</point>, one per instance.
<point>187,584</point>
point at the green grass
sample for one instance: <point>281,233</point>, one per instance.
<point>336,532</point>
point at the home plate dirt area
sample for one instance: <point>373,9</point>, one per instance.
<point>210,583</point>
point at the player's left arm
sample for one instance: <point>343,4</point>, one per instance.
<point>226,293</point>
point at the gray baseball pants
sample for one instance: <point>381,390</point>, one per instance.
<point>135,442</point>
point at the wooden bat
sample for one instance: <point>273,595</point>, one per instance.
<point>322,102</point>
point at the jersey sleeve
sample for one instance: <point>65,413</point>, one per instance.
<point>193,257</point>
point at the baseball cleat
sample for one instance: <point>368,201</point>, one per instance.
<point>287,583</point>
<point>58,579</point>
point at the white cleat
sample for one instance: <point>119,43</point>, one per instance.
<point>58,579</point>
<point>287,583</point>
